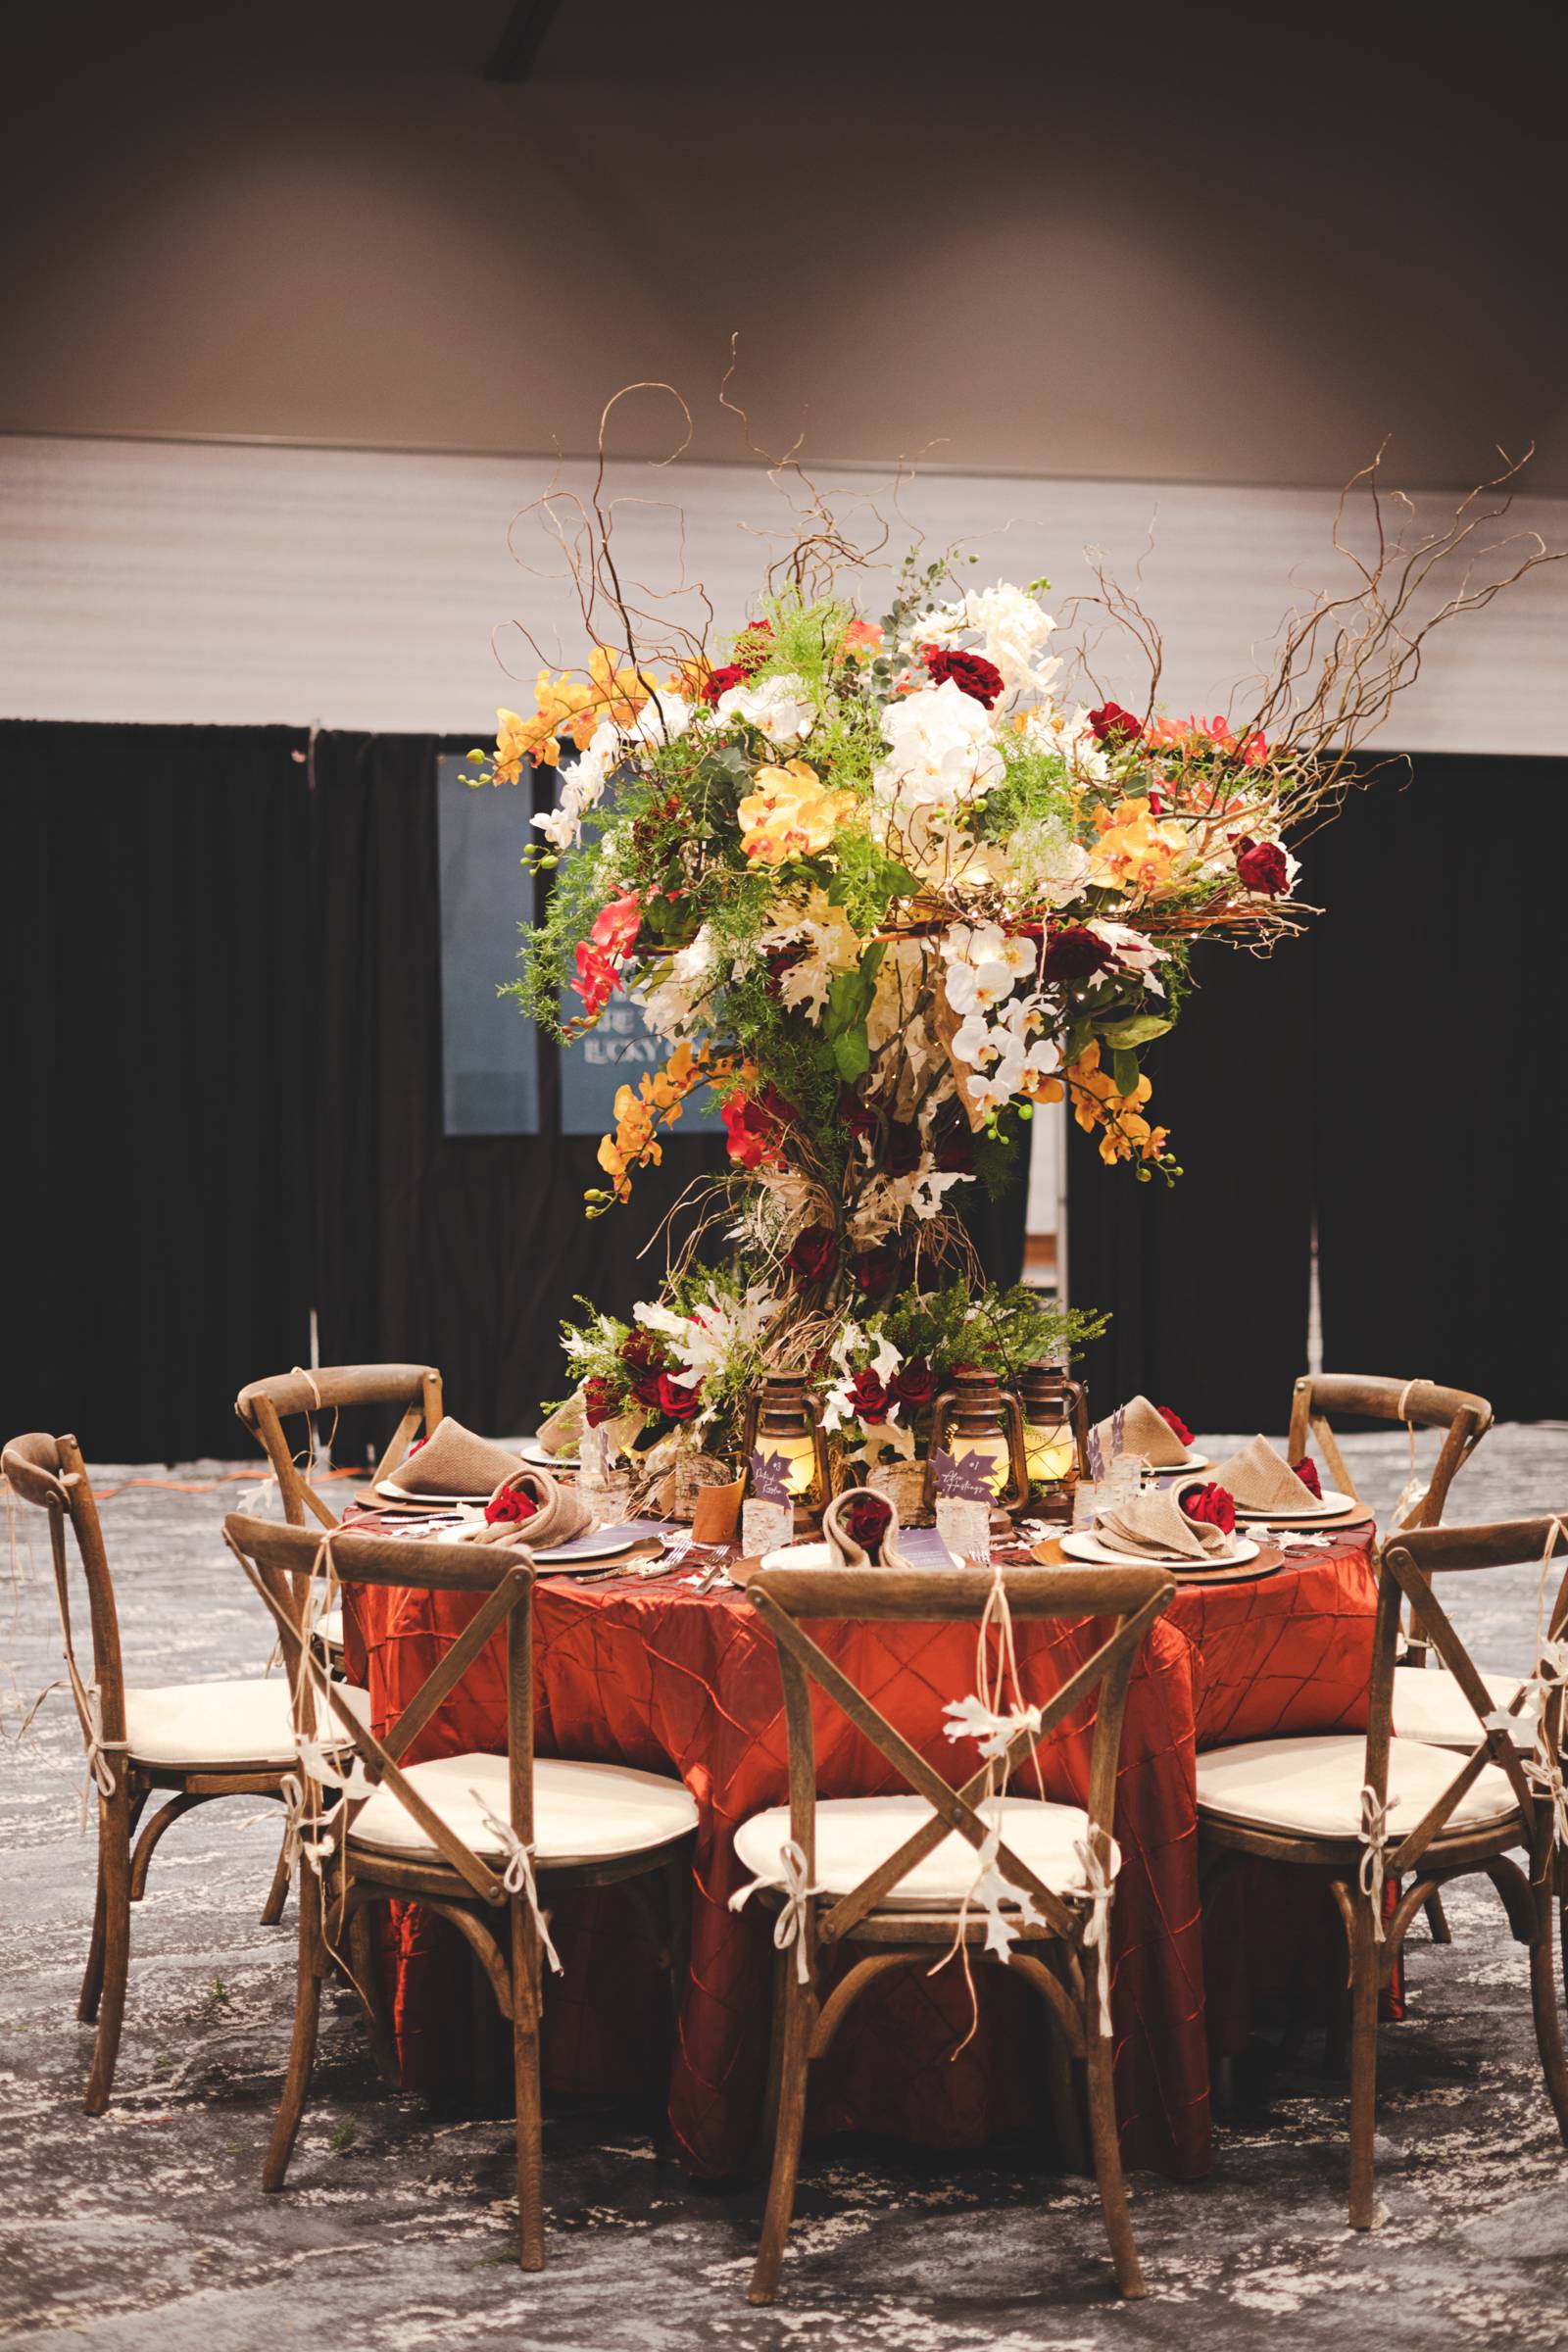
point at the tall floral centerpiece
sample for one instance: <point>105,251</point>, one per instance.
<point>876,881</point>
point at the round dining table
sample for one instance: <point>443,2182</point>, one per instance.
<point>658,1673</point>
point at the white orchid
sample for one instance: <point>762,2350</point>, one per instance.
<point>977,987</point>
<point>782,707</point>
<point>582,787</point>
<point>975,1042</point>
<point>1132,949</point>
<point>941,751</point>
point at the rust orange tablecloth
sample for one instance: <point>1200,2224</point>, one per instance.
<point>656,1676</point>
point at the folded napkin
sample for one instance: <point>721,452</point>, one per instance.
<point>1154,1523</point>
<point>451,1463</point>
<point>877,1543</point>
<point>558,1512</point>
<point>1262,1479</point>
<point>1141,1428</point>
<point>563,1431</point>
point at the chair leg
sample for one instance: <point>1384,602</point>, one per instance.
<point>1437,1920</point>
<point>1543,2002</point>
<point>114,1960</point>
<point>278,1893</point>
<point>1062,2087</point>
<point>794,2066</point>
<point>92,1982</point>
<point>1107,2145</point>
<point>525,1995</point>
<point>302,2049</point>
<point>366,1977</point>
<point>1364,1975</point>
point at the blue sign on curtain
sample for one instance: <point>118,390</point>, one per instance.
<point>615,1053</point>
<point>489,1052</point>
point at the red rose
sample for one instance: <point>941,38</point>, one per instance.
<point>679,1400</point>
<point>510,1507</point>
<point>647,1388</point>
<point>600,1399</point>
<point>1213,1506</point>
<point>914,1383</point>
<point>1175,1423</point>
<point>1306,1471</point>
<point>720,681</point>
<point>1075,952</point>
<point>866,1518</point>
<point>415,1447</point>
<point>815,1254</point>
<point>1261,866</point>
<point>1111,724</point>
<point>972,673</point>
<point>869,1396</point>
<point>874,1271</point>
<point>901,1147</point>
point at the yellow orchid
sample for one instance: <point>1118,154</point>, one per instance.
<point>790,813</point>
<point>1098,1104</point>
<point>641,1110</point>
<point>1135,849</point>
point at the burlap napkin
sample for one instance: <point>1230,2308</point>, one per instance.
<point>1154,1523</point>
<point>1262,1479</point>
<point>451,1463</point>
<point>563,1431</point>
<point>1145,1431</point>
<point>841,1543</point>
<point>559,1513</point>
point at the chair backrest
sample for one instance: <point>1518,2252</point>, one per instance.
<point>1412,1558</point>
<point>1416,1404</point>
<point>280,1561</point>
<point>265,1405</point>
<point>50,1473</point>
<point>785,1597</point>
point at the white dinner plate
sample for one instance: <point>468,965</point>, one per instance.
<point>1193,1461</point>
<point>536,1456</point>
<point>1331,1506</point>
<point>429,1502</point>
<point>799,1555</point>
<point>1083,1544</point>
<point>605,1543</point>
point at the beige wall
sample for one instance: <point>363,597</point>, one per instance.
<point>1167,244</point>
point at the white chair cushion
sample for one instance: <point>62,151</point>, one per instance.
<point>330,1629</point>
<point>1312,1787</point>
<point>1429,1706</point>
<point>581,1812</point>
<point>226,1724</point>
<point>854,1834</point>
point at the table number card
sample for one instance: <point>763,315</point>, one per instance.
<point>768,1515</point>
<point>964,1503</point>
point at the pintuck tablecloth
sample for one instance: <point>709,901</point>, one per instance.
<point>657,1676</point>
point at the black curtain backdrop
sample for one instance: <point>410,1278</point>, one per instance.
<point>221,955</point>
<point>156,954</point>
<point>1397,1071</point>
<point>1441,999</point>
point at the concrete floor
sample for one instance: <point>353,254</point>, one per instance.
<point>146,2231</point>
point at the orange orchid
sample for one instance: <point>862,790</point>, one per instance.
<point>1098,1104</point>
<point>789,814</point>
<point>641,1110</point>
<point>1134,850</point>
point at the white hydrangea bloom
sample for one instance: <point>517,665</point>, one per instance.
<point>1046,867</point>
<point>1070,737</point>
<point>1013,631</point>
<point>782,707</point>
<point>941,751</point>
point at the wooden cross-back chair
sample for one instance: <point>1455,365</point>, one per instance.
<point>1377,1809</point>
<point>482,1840</point>
<point>195,1741</point>
<point>856,1854</point>
<point>1413,1403</point>
<point>265,1405</point>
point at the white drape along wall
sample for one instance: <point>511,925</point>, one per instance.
<point>240,585</point>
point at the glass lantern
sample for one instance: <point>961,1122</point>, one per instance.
<point>977,1415</point>
<point>782,1417</point>
<point>1055,1432</point>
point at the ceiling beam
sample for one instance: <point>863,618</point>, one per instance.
<point>521,41</point>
